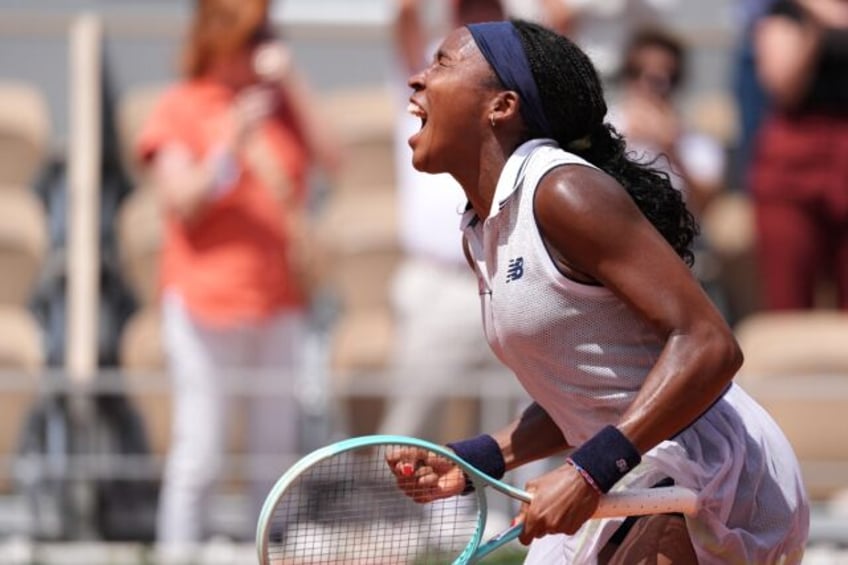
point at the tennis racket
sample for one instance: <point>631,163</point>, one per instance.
<point>341,505</point>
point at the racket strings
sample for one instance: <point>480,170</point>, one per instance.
<point>348,509</point>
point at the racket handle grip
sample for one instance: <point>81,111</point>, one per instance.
<point>639,502</point>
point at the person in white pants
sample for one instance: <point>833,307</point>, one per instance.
<point>230,147</point>
<point>212,369</point>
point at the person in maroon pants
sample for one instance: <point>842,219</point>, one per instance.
<point>799,174</point>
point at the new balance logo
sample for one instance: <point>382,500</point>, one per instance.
<point>515,269</point>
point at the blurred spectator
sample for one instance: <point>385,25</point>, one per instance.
<point>434,293</point>
<point>799,174</point>
<point>652,73</point>
<point>230,146</point>
<point>600,27</point>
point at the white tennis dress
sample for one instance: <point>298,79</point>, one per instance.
<point>583,355</point>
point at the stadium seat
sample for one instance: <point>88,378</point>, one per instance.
<point>141,355</point>
<point>363,118</point>
<point>141,343</point>
<point>361,346</point>
<point>362,281</point>
<point>359,235</point>
<point>21,348</point>
<point>22,356</point>
<point>142,359</point>
<point>23,244</point>
<point>24,241</point>
<point>23,248</point>
<point>362,341</point>
<point>728,223</point>
<point>351,223</point>
<point>359,226</point>
<point>24,133</point>
<point>796,366</point>
<point>794,343</point>
<point>133,108</point>
<point>138,228</point>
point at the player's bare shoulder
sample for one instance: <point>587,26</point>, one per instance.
<point>576,195</point>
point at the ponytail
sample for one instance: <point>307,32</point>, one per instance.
<point>573,101</point>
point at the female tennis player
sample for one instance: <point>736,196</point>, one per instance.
<point>582,260</point>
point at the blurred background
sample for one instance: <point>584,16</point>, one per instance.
<point>86,403</point>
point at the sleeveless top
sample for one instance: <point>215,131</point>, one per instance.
<point>577,349</point>
<point>582,354</point>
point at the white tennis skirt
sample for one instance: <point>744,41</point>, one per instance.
<point>753,506</point>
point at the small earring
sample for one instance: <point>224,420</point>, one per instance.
<point>492,119</point>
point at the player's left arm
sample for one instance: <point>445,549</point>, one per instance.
<point>591,222</point>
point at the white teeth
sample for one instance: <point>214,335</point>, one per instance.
<point>416,110</point>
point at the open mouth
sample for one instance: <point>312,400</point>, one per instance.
<point>418,112</point>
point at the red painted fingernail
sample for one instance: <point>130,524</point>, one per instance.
<point>407,470</point>
<point>513,523</point>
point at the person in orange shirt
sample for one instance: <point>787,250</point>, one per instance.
<point>230,146</point>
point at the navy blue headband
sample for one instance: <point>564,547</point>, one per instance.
<point>500,44</point>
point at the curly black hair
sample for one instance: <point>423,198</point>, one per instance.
<point>573,100</point>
